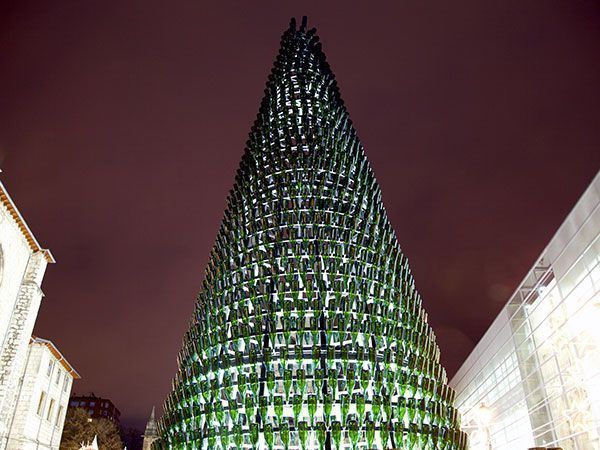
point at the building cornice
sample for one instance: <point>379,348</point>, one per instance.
<point>9,204</point>
<point>57,354</point>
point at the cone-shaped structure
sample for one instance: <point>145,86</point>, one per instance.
<point>308,332</point>
<point>151,426</point>
<point>151,432</point>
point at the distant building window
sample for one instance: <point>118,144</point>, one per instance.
<point>74,403</point>
<point>58,416</point>
<point>50,367</point>
<point>91,411</point>
<point>92,403</point>
<point>40,408</point>
<point>50,410</point>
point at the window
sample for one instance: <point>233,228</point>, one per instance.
<point>50,410</point>
<point>58,375</point>
<point>50,367</point>
<point>40,408</point>
<point>74,403</point>
<point>66,383</point>
<point>58,416</point>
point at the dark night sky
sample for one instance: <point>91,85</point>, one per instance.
<point>122,125</point>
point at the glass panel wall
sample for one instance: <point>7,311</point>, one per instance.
<point>536,372</point>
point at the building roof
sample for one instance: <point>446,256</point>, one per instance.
<point>16,215</point>
<point>58,355</point>
<point>151,426</point>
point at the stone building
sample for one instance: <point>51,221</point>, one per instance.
<point>151,432</point>
<point>23,262</point>
<point>43,398</point>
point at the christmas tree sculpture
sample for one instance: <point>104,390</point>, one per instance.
<point>308,332</point>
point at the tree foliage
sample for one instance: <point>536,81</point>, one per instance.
<point>80,427</point>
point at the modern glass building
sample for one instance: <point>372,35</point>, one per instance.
<point>534,378</point>
<point>308,332</point>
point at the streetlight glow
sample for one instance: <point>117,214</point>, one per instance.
<point>484,415</point>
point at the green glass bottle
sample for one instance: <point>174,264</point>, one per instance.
<point>336,434</point>
<point>303,434</point>
<point>254,430</point>
<point>327,407</point>
<point>284,433</point>
<point>279,409</point>
<point>345,406</point>
<point>263,403</point>
<point>269,436</point>
<point>238,436</point>
<point>370,433</point>
<point>359,401</point>
<point>321,434</point>
<point>354,433</point>
<point>297,407</point>
<point>287,382</point>
<point>312,408</point>
<point>384,434</point>
<point>301,381</point>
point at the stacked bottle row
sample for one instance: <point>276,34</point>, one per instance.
<point>309,332</point>
<point>291,402</point>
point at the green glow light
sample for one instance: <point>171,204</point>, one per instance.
<point>308,332</point>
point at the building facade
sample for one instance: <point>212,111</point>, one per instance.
<point>22,266</point>
<point>536,372</point>
<point>42,399</point>
<point>309,332</point>
<point>96,407</point>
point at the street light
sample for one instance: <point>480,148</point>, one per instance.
<point>484,415</point>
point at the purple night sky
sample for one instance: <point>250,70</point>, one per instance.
<point>122,125</point>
